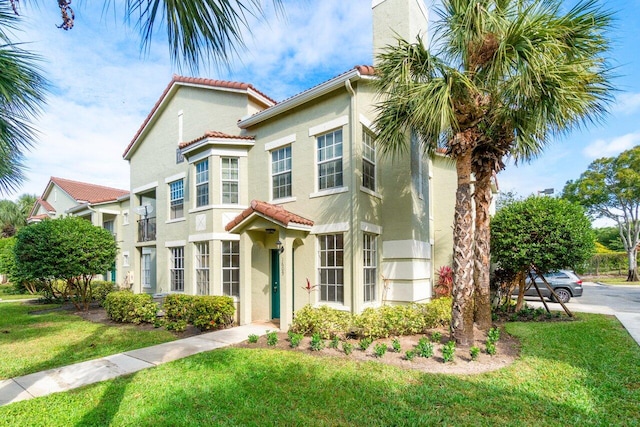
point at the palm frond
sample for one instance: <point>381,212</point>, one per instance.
<point>206,31</point>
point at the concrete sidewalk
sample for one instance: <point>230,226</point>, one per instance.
<point>106,368</point>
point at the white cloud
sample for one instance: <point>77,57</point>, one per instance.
<point>627,103</point>
<point>612,147</point>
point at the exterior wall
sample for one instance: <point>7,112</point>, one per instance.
<point>59,200</point>
<point>153,166</point>
<point>443,185</point>
<point>398,18</point>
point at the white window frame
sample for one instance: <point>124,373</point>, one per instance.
<point>173,212</point>
<point>176,268</point>
<point>230,281</point>
<point>370,267</point>
<point>145,270</point>
<point>322,159</point>
<point>201,263</point>
<point>329,263</point>
<point>125,259</point>
<point>202,182</point>
<point>224,169</point>
<point>280,167</point>
<point>369,155</point>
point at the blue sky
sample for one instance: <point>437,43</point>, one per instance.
<point>103,86</point>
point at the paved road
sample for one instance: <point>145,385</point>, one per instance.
<point>621,300</point>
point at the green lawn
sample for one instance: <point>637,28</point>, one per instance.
<point>571,373</point>
<point>35,342</point>
<point>6,295</point>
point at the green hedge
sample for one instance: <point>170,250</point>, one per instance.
<point>100,289</point>
<point>203,312</point>
<point>127,307</point>
<point>373,323</point>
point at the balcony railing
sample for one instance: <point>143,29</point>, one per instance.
<point>146,230</point>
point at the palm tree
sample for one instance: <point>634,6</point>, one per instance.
<point>209,31</point>
<point>22,91</point>
<point>508,74</point>
<point>13,215</point>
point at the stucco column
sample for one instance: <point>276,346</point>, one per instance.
<point>245,279</point>
<point>286,282</point>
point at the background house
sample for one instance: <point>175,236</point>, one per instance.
<point>104,206</point>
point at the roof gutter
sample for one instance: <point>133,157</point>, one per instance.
<point>306,96</point>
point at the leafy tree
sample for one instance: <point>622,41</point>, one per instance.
<point>609,237</point>
<point>8,267</point>
<point>69,249</point>
<point>542,234</point>
<point>610,188</point>
<point>506,75</point>
<point>505,198</point>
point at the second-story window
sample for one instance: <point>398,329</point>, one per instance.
<point>281,173</point>
<point>330,160</point>
<point>202,183</point>
<point>176,199</point>
<point>230,178</point>
<point>368,161</point>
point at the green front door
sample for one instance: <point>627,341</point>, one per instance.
<point>275,284</point>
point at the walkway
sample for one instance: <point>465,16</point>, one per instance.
<point>106,368</point>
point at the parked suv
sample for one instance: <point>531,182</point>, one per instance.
<point>565,284</point>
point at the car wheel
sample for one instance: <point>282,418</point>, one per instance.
<point>563,295</point>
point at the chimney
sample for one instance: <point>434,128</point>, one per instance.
<point>397,18</point>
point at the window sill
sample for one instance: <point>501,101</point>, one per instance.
<point>329,192</point>
<point>229,206</point>
<point>334,305</point>
<point>283,200</point>
<point>171,221</point>
<point>371,192</point>
<point>201,209</point>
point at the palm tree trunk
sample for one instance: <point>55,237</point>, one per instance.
<point>482,258</point>
<point>462,310</point>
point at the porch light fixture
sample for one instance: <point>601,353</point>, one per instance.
<point>279,246</point>
<point>270,230</point>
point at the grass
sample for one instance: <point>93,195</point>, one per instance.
<point>583,372</point>
<point>7,295</point>
<point>35,342</point>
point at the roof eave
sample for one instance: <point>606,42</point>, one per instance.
<point>297,100</point>
<point>216,141</point>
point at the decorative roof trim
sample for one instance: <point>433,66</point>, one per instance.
<point>357,73</point>
<point>274,213</point>
<point>177,81</point>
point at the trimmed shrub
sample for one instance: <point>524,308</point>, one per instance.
<point>203,312</point>
<point>212,312</point>
<point>325,321</point>
<point>126,307</point>
<point>100,289</point>
<point>437,312</point>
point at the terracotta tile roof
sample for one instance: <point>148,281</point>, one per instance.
<point>214,134</point>
<point>314,91</point>
<point>273,212</point>
<point>45,205</point>
<point>366,70</point>
<point>198,81</point>
<point>81,191</point>
<point>37,217</point>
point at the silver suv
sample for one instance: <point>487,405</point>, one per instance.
<point>565,284</point>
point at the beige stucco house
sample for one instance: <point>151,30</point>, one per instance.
<point>105,207</point>
<point>233,193</point>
